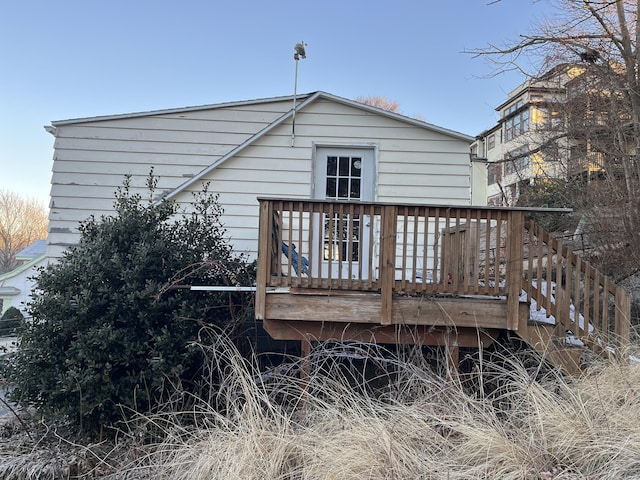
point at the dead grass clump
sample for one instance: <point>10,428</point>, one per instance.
<point>592,424</point>
<point>558,426</point>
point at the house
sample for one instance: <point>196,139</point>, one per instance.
<point>16,285</point>
<point>562,126</point>
<point>529,141</point>
<point>366,224</point>
<point>328,147</point>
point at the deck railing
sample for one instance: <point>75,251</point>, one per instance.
<point>441,250</point>
<point>567,289</point>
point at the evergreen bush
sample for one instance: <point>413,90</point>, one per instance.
<point>112,333</point>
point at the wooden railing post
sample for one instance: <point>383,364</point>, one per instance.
<point>515,256</point>
<point>563,289</point>
<point>622,317</point>
<point>265,239</point>
<point>387,262</point>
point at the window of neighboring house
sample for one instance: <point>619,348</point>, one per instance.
<point>494,175</point>
<point>539,116</point>
<point>516,125</point>
<point>491,142</point>
<point>512,108</point>
<point>556,120</point>
<point>549,118</point>
<point>516,161</point>
<point>550,152</point>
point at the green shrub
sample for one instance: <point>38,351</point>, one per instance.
<point>110,333</point>
<point>11,321</point>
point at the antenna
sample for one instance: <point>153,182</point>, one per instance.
<point>300,53</point>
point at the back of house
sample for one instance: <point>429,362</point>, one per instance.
<point>327,147</point>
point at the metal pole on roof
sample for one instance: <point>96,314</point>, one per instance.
<point>299,53</point>
<point>293,123</point>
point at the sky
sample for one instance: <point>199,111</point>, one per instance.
<point>85,58</point>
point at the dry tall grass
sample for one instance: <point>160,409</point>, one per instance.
<point>406,424</point>
<point>412,425</point>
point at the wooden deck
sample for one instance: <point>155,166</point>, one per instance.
<point>424,274</point>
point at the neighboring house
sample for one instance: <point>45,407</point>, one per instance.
<point>529,141</point>
<point>327,148</point>
<point>16,285</point>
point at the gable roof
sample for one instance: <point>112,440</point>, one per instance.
<point>31,256</point>
<point>34,250</point>
<point>23,268</point>
<point>303,99</point>
<point>149,113</point>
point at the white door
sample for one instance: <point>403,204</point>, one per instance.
<point>345,174</point>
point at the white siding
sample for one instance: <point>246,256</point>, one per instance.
<point>415,164</point>
<point>92,157</point>
<point>479,173</point>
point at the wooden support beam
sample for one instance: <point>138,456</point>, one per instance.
<point>389,334</point>
<point>361,307</point>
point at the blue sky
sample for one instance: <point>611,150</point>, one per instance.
<point>83,58</point>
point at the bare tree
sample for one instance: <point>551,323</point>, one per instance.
<point>593,46</point>
<point>386,104</point>
<point>380,102</point>
<point>22,221</point>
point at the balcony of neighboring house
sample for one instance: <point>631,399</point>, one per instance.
<point>583,163</point>
<point>427,274</point>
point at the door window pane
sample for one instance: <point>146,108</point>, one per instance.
<point>344,166</point>
<point>355,188</point>
<point>356,165</point>
<point>331,188</point>
<point>332,166</point>
<point>343,188</point>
